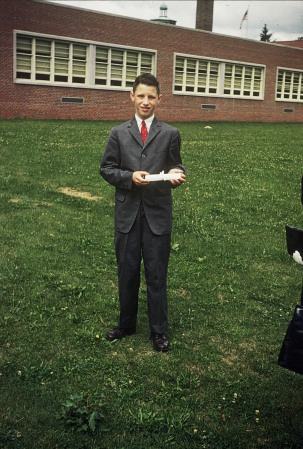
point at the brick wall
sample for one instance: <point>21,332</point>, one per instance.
<point>28,101</point>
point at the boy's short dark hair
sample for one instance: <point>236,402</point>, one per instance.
<point>148,79</point>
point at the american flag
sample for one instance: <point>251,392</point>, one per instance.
<point>243,18</point>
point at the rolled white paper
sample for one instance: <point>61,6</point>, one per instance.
<point>163,177</point>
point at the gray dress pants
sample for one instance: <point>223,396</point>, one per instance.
<point>140,243</point>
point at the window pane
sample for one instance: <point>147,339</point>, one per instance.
<point>228,78</point>
<point>131,73</point>
<point>190,75</point>
<point>79,52</point>
<point>180,64</point>
<point>79,63</point>
<point>132,59</point>
<point>43,47</point>
<point>179,71</point>
<point>213,77</point>
<point>101,65</point>
<point>79,68</point>
<point>191,66</point>
<point>146,62</point>
<point>202,80</point>
<point>24,45</point>
<point>23,63</point>
<point>101,54</point>
<point>214,70</point>
<point>61,61</point>
<point>116,67</point>
<point>24,57</point>
<point>42,64</point>
<point>131,66</point>
<point>43,58</point>
<point>258,73</point>
<point>117,56</point>
<point>61,50</point>
<point>202,68</point>
<point>238,72</point>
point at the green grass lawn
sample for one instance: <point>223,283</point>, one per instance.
<point>232,289</point>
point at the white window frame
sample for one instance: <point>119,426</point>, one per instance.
<point>90,63</point>
<point>287,91</point>
<point>245,92</point>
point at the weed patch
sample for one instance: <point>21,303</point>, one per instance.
<point>83,412</point>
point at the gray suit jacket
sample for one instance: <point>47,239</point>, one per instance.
<point>124,154</point>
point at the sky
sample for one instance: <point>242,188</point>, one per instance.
<point>284,18</point>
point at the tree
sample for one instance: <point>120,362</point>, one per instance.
<point>265,35</point>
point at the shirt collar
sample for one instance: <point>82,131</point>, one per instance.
<point>148,121</point>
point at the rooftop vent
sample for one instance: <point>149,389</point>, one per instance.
<point>163,16</point>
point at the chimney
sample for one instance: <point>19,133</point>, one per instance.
<point>204,15</point>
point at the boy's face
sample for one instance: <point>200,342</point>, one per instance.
<point>146,99</point>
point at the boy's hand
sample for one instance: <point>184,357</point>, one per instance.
<point>138,178</point>
<point>177,182</point>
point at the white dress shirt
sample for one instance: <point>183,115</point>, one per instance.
<point>148,122</point>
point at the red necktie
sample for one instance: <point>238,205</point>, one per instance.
<point>144,132</point>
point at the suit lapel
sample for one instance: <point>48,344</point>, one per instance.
<point>154,130</point>
<point>134,130</point>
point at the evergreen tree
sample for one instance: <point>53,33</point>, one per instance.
<point>265,35</point>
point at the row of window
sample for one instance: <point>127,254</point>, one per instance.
<point>57,61</point>
<point>61,62</point>
<point>290,85</point>
<point>198,76</point>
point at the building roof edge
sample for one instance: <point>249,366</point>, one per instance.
<point>53,3</point>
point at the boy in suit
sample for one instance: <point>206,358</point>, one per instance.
<point>143,209</point>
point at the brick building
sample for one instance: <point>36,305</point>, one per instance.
<point>69,63</point>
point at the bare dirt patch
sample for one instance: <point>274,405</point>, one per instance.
<point>26,201</point>
<point>78,194</point>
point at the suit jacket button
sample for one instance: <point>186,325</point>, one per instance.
<point>143,155</point>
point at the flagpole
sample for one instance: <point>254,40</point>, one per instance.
<point>245,17</point>
<point>247,21</point>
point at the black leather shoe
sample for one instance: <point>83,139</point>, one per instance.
<point>117,333</point>
<point>160,342</point>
